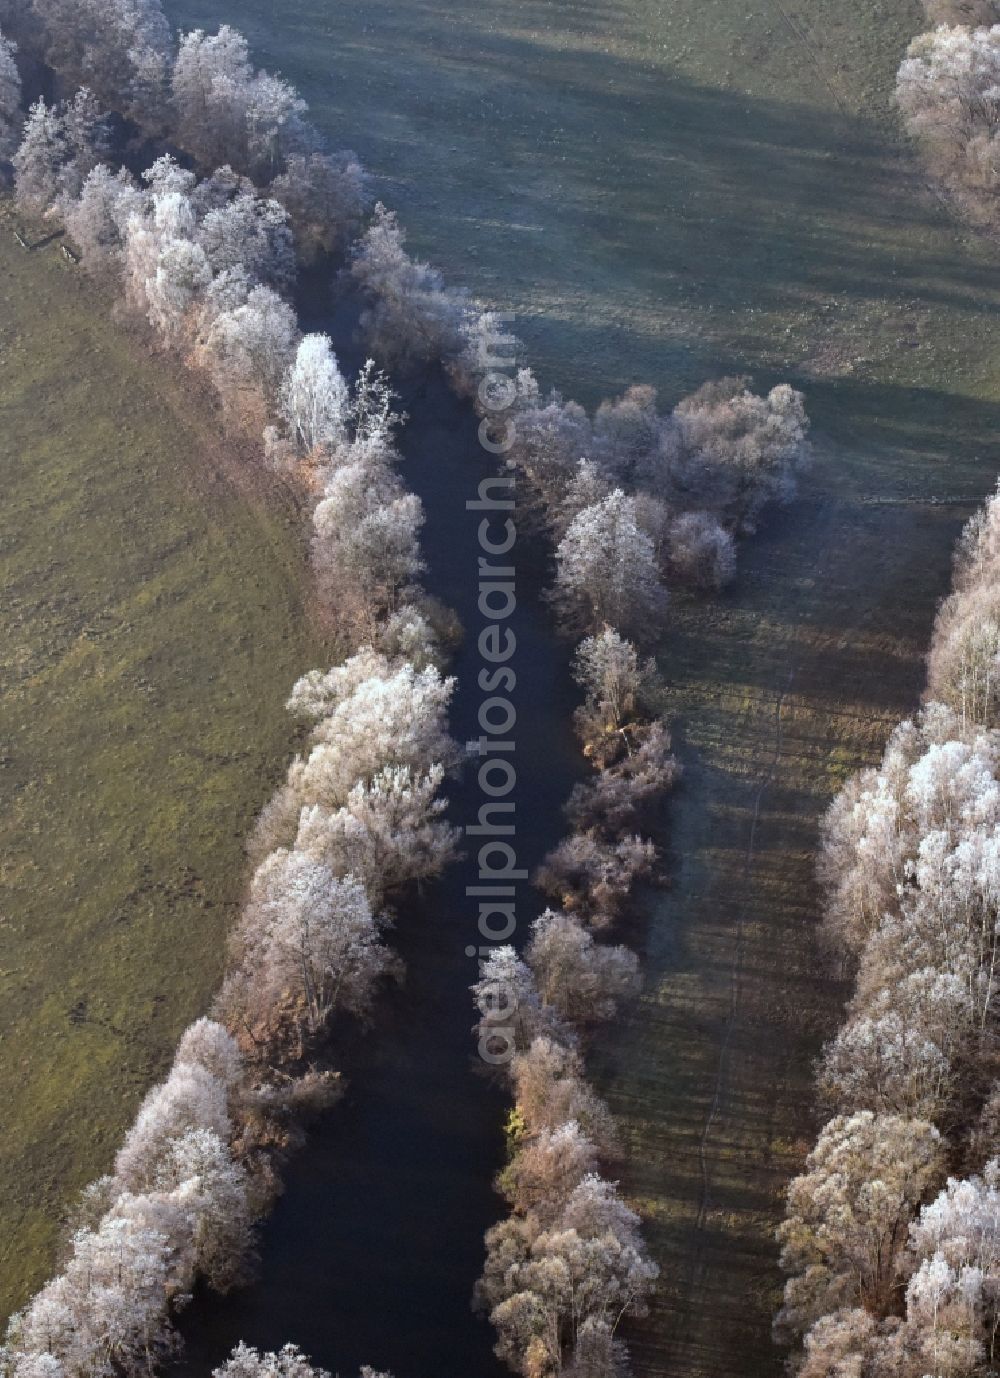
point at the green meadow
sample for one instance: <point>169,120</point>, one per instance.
<point>152,624</point>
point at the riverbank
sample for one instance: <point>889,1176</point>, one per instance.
<point>370,1254</point>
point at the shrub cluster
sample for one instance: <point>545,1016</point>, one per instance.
<point>593,870</point>
<point>636,501</point>
<point>568,1263</point>
<point>895,1270</point>
<point>633,499</point>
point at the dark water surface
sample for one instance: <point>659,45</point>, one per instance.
<point>371,1253</point>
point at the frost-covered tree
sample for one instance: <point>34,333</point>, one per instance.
<point>511,1011</point>
<point>606,570</point>
<point>190,1098</point>
<point>897,1054</point>
<point>701,552</point>
<point>739,451</point>
<point>364,798</point>
<point>917,835</point>
<point>583,980</point>
<point>121,49</point>
<point>963,668</point>
<point>547,1169</point>
<point>98,219</point>
<point>627,432</point>
<point>953,1297</point>
<point>206,1044</point>
<point>589,876</point>
<point>325,196</point>
<point>550,1090</point>
<point>167,273</point>
<point>485,346</point>
<point>412,316</point>
<point>227,112</point>
<point>315,397</point>
<point>849,1215</point>
<point>250,232</point>
<point>210,73</point>
<point>249,347</point>
<point>843,1345</point>
<point>366,542</point>
<point>413,633</point>
<point>644,771</point>
<point>87,138</point>
<point>177,1209</point>
<point>390,719</point>
<point>588,486</point>
<point>107,1310</point>
<point>287,1362</point>
<point>911,865</point>
<point>558,1294</point>
<point>200,1171</point>
<point>547,439</point>
<point>41,157</point>
<point>10,98</point>
<point>390,830</point>
<point>607,668</point>
<point>309,943</point>
<point>947,89</point>
<point>374,418</point>
<point>181,275</point>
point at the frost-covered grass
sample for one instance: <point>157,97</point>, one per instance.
<point>662,190</point>
<point>151,626</point>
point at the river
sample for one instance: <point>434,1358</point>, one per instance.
<point>371,1253</point>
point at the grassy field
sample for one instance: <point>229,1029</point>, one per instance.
<point>664,190</point>
<point>660,190</point>
<point>151,625</point>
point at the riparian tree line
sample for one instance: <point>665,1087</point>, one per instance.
<point>568,1264</point>
<point>892,1236</point>
<point>195,185</point>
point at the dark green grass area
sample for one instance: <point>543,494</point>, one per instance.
<point>660,190</point>
<point>152,623</point>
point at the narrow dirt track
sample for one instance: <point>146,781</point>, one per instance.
<point>718,1100</point>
